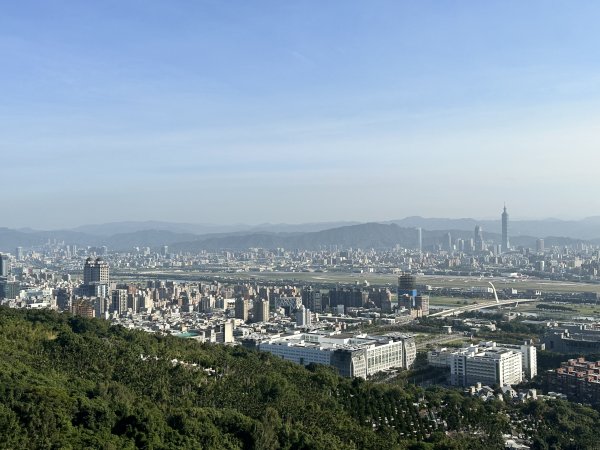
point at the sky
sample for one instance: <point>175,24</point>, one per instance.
<point>297,111</point>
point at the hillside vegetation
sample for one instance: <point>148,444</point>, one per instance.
<point>73,383</point>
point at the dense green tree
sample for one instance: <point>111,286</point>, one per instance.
<point>74,383</point>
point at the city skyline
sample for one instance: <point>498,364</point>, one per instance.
<point>332,223</point>
<point>221,113</point>
<point>281,225</point>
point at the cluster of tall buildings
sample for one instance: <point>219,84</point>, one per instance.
<point>476,244</point>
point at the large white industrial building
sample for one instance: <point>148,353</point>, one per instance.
<point>352,356</point>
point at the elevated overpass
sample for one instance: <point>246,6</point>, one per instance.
<point>482,305</point>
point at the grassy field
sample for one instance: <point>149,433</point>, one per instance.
<point>585,310</point>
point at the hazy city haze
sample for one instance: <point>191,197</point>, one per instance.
<point>270,111</point>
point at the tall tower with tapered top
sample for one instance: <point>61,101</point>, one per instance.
<point>505,244</point>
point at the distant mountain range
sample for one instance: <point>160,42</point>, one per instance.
<point>368,235</point>
<point>194,237</point>
<point>109,229</point>
<point>588,228</point>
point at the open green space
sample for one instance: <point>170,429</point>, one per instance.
<point>586,310</point>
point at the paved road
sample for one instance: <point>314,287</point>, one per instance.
<point>483,305</point>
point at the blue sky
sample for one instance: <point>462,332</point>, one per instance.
<point>276,111</point>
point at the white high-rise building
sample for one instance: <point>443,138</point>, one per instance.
<point>505,243</point>
<point>487,363</point>
<point>303,318</point>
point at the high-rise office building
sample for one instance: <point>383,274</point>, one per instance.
<point>407,290</point>
<point>95,277</point>
<point>95,271</point>
<point>4,266</point>
<point>540,246</point>
<point>303,317</point>
<point>119,301</point>
<point>419,239</point>
<point>409,298</point>
<point>505,243</point>
<point>312,299</point>
<point>261,310</point>
<point>478,238</point>
<point>407,284</point>
<point>242,306</point>
<point>448,242</point>
<point>207,303</point>
<point>19,253</point>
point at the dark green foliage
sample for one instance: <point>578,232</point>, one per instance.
<point>74,383</point>
<point>554,307</point>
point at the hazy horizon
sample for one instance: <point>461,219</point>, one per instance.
<point>297,112</point>
<point>292,224</point>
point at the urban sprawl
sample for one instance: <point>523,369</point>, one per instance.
<point>452,307</point>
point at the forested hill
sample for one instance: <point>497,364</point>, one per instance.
<point>74,383</point>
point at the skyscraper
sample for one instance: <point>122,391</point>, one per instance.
<point>407,283</point>
<point>95,271</point>
<point>95,277</point>
<point>261,310</point>
<point>119,301</point>
<point>303,317</point>
<point>505,244</point>
<point>4,266</point>
<point>448,242</point>
<point>312,299</point>
<point>407,290</point>
<point>478,238</point>
<point>420,240</point>
<point>242,306</point>
<point>540,247</point>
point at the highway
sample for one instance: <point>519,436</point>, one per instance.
<point>478,306</point>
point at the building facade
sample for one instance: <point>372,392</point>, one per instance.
<point>583,339</point>
<point>95,271</point>
<point>242,308</point>
<point>505,243</point>
<point>261,310</point>
<point>578,379</point>
<point>4,266</point>
<point>487,363</point>
<point>352,356</point>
